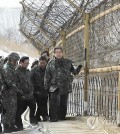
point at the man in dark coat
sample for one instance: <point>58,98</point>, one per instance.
<point>27,99</point>
<point>40,94</point>
<point>58,81</point>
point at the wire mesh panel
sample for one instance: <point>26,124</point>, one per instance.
<point>103,95</point>
<point>104,41</point>
<point>49,17</point>
<point>75,49</point>
<point>76,98</point>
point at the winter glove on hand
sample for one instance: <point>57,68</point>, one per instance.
<point>79,68</point>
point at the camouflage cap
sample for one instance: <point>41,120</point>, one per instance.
<point>13,56</point>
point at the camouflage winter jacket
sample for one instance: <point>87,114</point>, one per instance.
<point>9,79</point>
<point>58,75</point>
<point>1,68</point>
<point>37,77</point>
<point>24,83</point>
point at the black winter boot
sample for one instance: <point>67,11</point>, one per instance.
<point>14,128</point>
<point>1,128</point>
<point>33,120</point>
<point>7,128</point>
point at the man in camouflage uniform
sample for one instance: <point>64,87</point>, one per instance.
<point>27,99</point>
<point>58,80</point>
<point>9,93</point>
<point>46,54</point>
<point>1,101</point>
<point>40,94</point>
<point>34,64</point>
<point>1,67</point>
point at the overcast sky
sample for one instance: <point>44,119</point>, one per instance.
<point>10,3</point>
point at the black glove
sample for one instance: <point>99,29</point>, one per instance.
<point>79,68</point>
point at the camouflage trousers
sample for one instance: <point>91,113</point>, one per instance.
<point>10,107</point>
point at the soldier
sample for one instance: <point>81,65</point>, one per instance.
<point>1,100</point>
<point>5,60</point>
<point>46,54</point>
<point>1,67</point>
<point>34,64</point>
<point>27,99</point>
<point>9,93</point>
<point>58,80</point>
<point>40,94</point>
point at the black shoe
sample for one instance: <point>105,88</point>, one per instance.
<point>7,128</point>
<point>0,128</point>
<point>20,127</point>
<point>63,118</point>
<point>45,118</point>
<point>14,128</point>
<point>39,119</point>
<point>53,120</point>
<point>33,121</point>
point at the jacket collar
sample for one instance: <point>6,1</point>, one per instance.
<point>22,68</point>
<point>62,58</point>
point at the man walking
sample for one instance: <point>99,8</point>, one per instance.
<point>58,81</point>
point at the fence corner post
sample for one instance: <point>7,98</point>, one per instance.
<point>86,60</point>
<point>118,114</point>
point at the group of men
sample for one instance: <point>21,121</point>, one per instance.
<point>22,88</point>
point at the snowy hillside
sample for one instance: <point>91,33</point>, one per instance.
<point>9,23</point>
<point>10,37</point>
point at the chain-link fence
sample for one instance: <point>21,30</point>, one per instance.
<point>104,40</point>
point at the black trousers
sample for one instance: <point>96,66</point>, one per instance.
<point>21,107</point>
<point>42,109</point>
<point>58,106</point>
